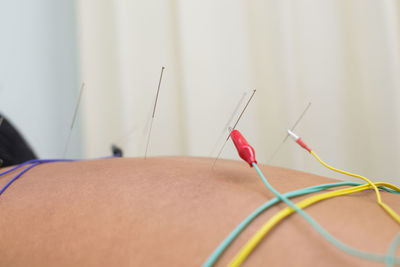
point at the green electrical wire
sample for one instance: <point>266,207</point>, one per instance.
<point>216,254</point>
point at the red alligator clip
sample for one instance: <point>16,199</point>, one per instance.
<point>246,151</point>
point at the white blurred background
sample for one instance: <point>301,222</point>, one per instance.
<point>341,55</point>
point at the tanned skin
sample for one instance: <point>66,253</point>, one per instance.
<point>174,211</point>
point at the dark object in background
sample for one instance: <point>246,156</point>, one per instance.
<point>117,152</point>
<point>13,147</point>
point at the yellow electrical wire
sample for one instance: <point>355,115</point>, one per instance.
<point>253,242</point>
<point>389,210</point>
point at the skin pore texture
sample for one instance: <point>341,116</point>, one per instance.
<point>174,211</point>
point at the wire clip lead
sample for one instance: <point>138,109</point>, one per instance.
<point>299,141</point>
<point>246,151</point>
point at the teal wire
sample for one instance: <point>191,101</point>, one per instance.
<point>229,239</point>
<point>392,250</point>
<point>212,259</point>
<point>349,250</point>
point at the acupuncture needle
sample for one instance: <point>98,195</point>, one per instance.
<point>233,128</point>
<point>74,119</point>
<point>287,135</point>
<point>229,122</point>
<point>154,111</point>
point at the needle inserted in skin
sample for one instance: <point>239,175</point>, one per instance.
<point>233,128</point>
<point>73,119</point>
<point>287,135</point>
<point>241,114</point>
<point>229,121</point>
<point>298,120</point>
<point>154,111</point>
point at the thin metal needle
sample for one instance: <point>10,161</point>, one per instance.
<point>287,135</point>
<point>229,122</point>
<point>154,111</point>
<point>74,119</point>
<point>298,120</point>
<point>241,114</point>
<point>233,128</point>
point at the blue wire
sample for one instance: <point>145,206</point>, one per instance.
<point>18,166</point>
<point>17,176</point>
<point>352,251</point>
<point>45,161</point>
<point>392,250</point>
<point>34,163</point>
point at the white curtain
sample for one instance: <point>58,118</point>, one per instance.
<point>343,56</point>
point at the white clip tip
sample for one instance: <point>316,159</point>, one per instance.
<point>293,135</point>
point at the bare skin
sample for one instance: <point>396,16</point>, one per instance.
<point>174,211</point>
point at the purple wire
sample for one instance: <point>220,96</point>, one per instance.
<point>34,163</point>
<point>17,176</point>
<point>17,167</point>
